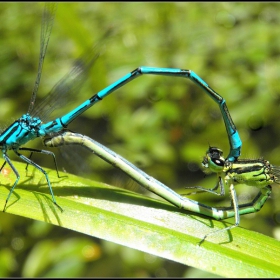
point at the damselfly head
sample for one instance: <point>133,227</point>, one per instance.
<point>213,160</point>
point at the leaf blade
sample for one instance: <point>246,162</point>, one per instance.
<point>142,223</point>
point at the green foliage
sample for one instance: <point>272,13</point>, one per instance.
<point>162,125</point>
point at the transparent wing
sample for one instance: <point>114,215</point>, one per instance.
<point>46,29</point>
<point>67,89</point>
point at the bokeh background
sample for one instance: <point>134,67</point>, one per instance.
<point>161,124</point>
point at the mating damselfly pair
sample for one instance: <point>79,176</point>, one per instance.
<point>36,123</point>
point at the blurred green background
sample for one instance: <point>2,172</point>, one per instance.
<point>161,124</point>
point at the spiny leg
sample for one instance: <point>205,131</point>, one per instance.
<point>46,152</point>
<point>7,160</point>
<point>3,166</point>
<point>213,190</point>
<point>29,161</point>
<point>236,214</point>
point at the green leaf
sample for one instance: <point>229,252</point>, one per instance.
<point>142,223</point>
